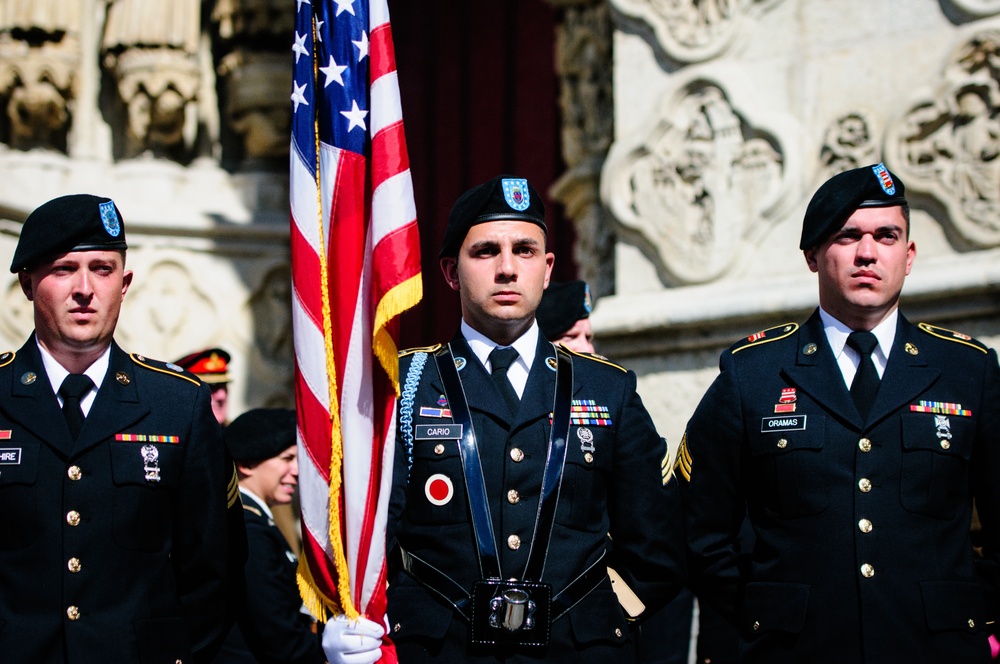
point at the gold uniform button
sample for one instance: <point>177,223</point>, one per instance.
<point>867,571</point>
<point>865,445</point>
<point>756,625</point>
<point>397,627</point>
<point>588,457</point>
<point>73,613</point>
<point>513,542</point>
<point>782,444</point>
<point>74,565</point>
<point>74,473</point>
<point>865,485</point>
<point>517,455</point>
<point>439,449</point>
<point>73,518</point>
<point>945,444</point>
<point>972,623</point>
<point>513,497</point>
<point>865,526</point>
<point>618,632</point>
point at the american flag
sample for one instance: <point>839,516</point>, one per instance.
<point>355,269</point>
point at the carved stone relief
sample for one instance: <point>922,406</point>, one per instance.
<point>695,30</point>
<point>257,75</point>
<point>698,187</point>
<point>978,7</point>
<point>948,143</point>
<point>848,143</point>
<point>151,49</point>
<point>171,311</point>
<point>39,57</point>
<point>270,305</point>
<point>583,61</point>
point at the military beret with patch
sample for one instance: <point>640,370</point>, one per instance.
<point>260,434</point>
<point>78,222</point>
<point>837,199</point>
<point>563,303</point>
<point>503,197</point>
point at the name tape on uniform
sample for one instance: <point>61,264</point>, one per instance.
<point>438,432</point>
<point>10,456</point>
<point>797,423</point>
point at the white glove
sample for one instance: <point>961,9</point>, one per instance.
<point>347,642</point>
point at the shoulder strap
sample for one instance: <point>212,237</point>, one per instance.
<point>554,464</point>
<point>472,469</point>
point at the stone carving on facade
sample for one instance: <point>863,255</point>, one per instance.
<point>170,310</point>
<point>18,319</point>
<point>948,143</point>
<point>270,305</point>
<point>695,30</point>
<point>700,185</point>
<point>583,62</point>
<point>849,143</point>
<point>978,7</point>
<point>39,58</point>
<point>256,74</point>
<point>151,49</point>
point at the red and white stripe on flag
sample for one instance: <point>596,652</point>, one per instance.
<point>355,269</point>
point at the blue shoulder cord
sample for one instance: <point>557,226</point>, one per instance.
<point>406,406</point>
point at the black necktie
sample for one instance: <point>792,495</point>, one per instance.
<point>500,361</point>
<point>72,390</point>
<point>866,379</point>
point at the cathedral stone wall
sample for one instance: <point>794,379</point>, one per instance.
<point>728,114</point>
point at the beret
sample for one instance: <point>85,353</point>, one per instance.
<point>837,199</point>
<point>211,365</point>
<point>78,222</point>
<point>563,303</point>
<point>260,434</point>
<point>503,197</point>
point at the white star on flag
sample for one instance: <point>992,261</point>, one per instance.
<point>297,96</point>
<point>300,46</point>
<point>362,45</point>
<point>345,6</point>
<point>319,30</point>
<point>333,73</point>
<point>356,116</point>
<point>299,3</point>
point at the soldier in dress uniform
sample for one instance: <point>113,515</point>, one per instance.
<point>564,315</point>
<point>518,464</point>
<point>273,626</point>
<point>855,444</point>
<point>114,483</point>
<point>212,367</point>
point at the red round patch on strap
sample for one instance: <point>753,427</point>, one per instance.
<point>439,489</point>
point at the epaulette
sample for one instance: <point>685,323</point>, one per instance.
<point>595,357</point>
<point>168,368</point>
<point>6,358</point>
<point>423,349</point>
<point>952,335</point>
<point>765,336</point>
<point>252,510</point>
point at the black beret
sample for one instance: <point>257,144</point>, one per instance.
<point>503,197</point>
<point>837,199</point>
<point>260,434</point>
<point>210,365</point>
<point>78,222</point>
<point>563,303</point>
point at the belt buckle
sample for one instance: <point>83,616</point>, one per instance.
<point>511,612</point>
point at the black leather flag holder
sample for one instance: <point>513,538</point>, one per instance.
<point>511,611</point>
